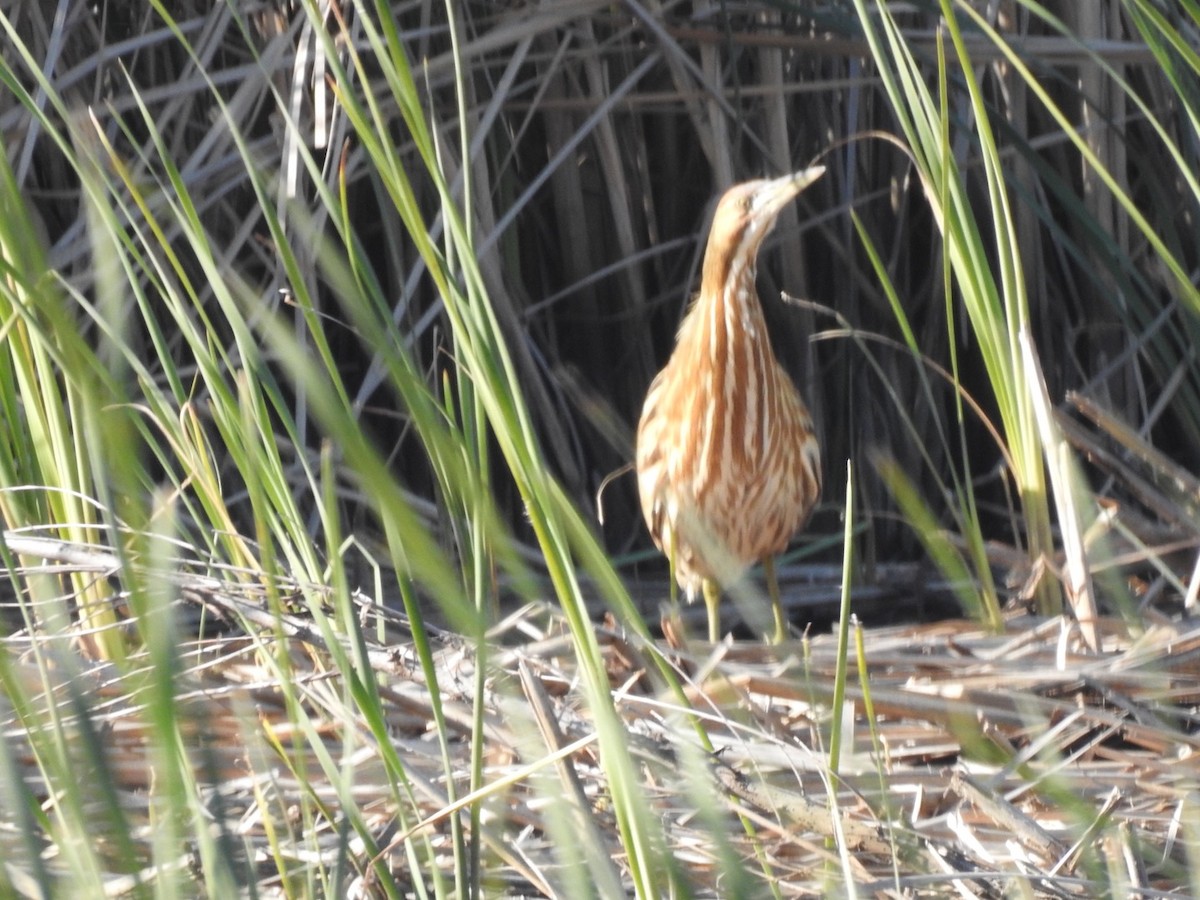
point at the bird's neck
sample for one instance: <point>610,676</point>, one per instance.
<point>728,351</point>
<point>731,305</point>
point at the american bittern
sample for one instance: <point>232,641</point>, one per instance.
<point>728,466</point>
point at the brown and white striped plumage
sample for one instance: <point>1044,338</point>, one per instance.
<point>728,465</point>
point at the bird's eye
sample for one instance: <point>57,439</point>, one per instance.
<point>746,204</point>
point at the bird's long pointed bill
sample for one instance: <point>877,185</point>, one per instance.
<point>802,179</point>
<point>778,193</point>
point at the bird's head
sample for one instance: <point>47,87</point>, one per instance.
<point>745,215</point>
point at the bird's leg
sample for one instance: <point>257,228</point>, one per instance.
<point>781,625</point>
<point>672,621</point>
<point>712,600</point>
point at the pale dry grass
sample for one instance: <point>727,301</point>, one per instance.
<point>995,763</point>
